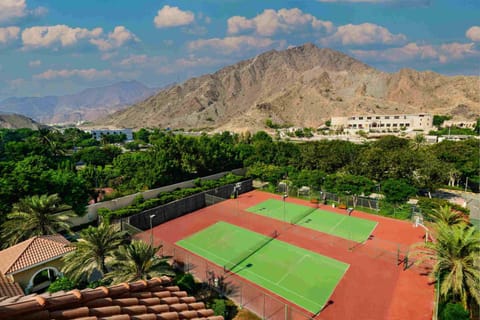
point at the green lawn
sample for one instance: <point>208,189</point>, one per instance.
<point>339,225</point>
<point>303,277</point>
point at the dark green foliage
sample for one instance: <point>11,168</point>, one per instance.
<point>397,191</point>
<point>218,306</point>
<point>438,120</point>
<point>428,205</point>
<point>186,282</point>
<point>62,283</point>
<point>454,311</point>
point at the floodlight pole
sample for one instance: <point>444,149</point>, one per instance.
<point>151,229</point>
<point>284,214</point>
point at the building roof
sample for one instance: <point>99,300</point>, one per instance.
<point>9,288</point>
<point>32,252</point>
<point>143,300</point>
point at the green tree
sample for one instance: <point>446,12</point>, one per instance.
<point>397,191</point>
<point>136,261</point>
<point>62,284</point>
<point>346,184</point>
<point>454,254</point>
<point>35,216</point>
<point>454,311</point>
<point>446,216</point>
<point>93,248</point>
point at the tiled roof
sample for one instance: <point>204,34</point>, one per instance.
<point>155,299</point>
<point>32,251</point>
<point>9,288</point>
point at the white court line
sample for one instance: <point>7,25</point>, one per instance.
<point>289,269</point>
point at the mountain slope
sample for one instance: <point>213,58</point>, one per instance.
<point>89,104</point>
<point>17,121</point>
<point>303,86</point>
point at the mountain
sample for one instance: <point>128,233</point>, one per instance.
<point>17,121</point>
<point>88,105</point>
<point>303,86</point>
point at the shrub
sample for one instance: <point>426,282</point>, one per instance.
<point>454,311</point>
<point>62,283</point>
<point>186,282</point>
<point>219,307</point>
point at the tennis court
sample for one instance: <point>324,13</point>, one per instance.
<point>303,277</point>
<point>343,226</point>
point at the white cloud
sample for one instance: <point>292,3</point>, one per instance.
<point>230,44</point>
<point>88,74</point>
<point>117,38</point>
<point>473,33</point>
<point>134,59</point>
<point>173,17</point>
<point>363,34</point>
<point>8,34</point>
<point>413,51</point>
<point>35,63</point>
<point>141,60</point>
<point>56,36</point>
<point>270,22</point>
<point>15,9</point>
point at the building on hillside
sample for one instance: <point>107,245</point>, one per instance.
<point>459,124</point>
<point>156,298</point>
<point>384,123</point>
<point>99,133</point>
<point>34,263</point>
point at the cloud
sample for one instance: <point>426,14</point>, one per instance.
<point>141,60</point>
<point>56,36</point>
<point>117,38</point>
<point>8,34</point>
<point>35,63</point>
<point>88,74</point>
<point>398,2</point>
<point>172,17</point>
<point>413,51</point>
<point>270,22</point>
<point>15,9</point>
<point>228,45</point>
<point>473,33</point>
<point>363,34</point>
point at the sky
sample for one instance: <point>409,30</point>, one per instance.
<point>53,47</point>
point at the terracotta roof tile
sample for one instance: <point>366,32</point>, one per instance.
<point>141,300</point>
<point>32,251</point>
<point>9,288</point>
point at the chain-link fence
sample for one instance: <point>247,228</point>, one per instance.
<point>244,294</point>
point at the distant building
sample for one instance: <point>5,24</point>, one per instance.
<point>459,124</point>
<point>396,122</point>
<point>99,133</point>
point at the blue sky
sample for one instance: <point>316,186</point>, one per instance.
<point>52,47</point>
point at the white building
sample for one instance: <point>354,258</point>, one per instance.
<point>459,124</point>
<point>385,123</point>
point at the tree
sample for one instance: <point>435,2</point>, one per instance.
<point>346,184</point>
<point>397,191</point>
<point>454,254</point>
<point>92,249</point>
<point>446,216</point>
<point>35,216</point>
<point>136,261</point>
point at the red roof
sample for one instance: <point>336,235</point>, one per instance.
<point>32,252</point>
<point>9,288</point>
<point>143,300</point>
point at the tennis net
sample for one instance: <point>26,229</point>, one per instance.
<point>228,267</point>
<point>302,215</point>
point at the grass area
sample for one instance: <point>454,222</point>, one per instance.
<point>339,225</point>
<point>303,277</point>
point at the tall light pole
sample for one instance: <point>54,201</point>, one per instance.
<point>151,229</point>
<point>284,214</point>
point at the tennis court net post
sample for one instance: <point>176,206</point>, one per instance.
<point>250,252</point>
<point>301,216</point>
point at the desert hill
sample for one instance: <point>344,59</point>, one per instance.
<point>303,86</point>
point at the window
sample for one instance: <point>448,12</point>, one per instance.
<point>352,118</point>
<point>360,118</point>
<point>395,124</point>
<point>388,124</point>
<point>396,117</point>
<point>369,118</point>
<point>407,124</point>
<point>377,117</point>
<point>387,117</point>
<point>382,125</point>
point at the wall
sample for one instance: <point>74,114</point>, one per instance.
<point>23,277</point>
<point>122,202</point>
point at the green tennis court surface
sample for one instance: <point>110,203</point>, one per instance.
<point>343,226</point>
<point>298,275</point>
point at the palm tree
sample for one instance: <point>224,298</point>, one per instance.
<point>35,216</point>
<point>138,260</point>
<point>445,215</point>
<point>93,248</point>
<point>454,255</point>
